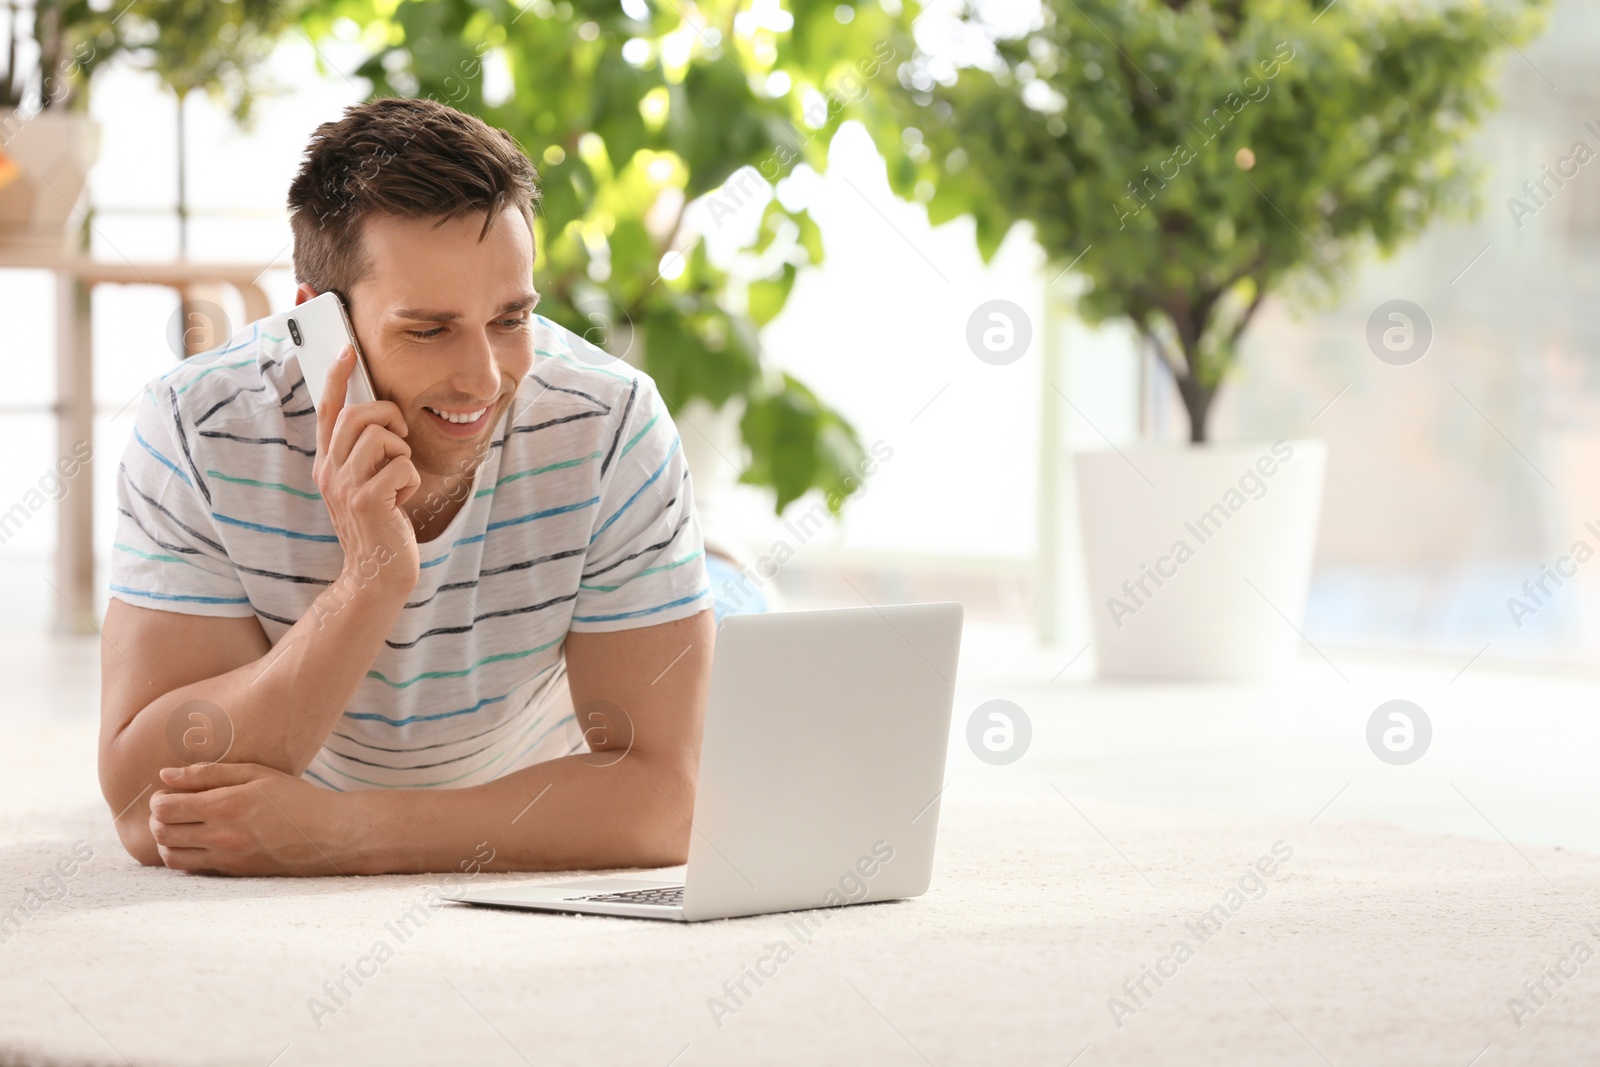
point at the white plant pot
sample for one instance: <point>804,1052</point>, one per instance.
<point>1198,559</point>
<point>54,149</point>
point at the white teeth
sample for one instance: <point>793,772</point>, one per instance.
<point>471,416</point>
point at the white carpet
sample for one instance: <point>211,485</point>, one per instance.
<point>1369,946</point>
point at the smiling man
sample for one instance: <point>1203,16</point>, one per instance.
<point>468,620</point>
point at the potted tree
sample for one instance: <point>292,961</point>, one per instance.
<point>52,49</point>
<point>46,147</point>
<point>1189,159</point>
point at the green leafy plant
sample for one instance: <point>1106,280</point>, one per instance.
<point>653,124</point>
<point>1200,154</point>
<point>54,47</point>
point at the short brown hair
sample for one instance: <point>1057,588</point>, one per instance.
<point>412,159</point>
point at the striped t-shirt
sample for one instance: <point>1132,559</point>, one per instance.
<point>580,518</point>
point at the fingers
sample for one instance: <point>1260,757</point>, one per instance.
<point>197,832</point>
<point>202,776</point>
<point>356,443</point>
<point>178,830</point>
<point>399,478</point>
<point>371,452</point>
<point>182,835</point>
<point>186,859</point>
<point>173,809</point>
<point>358,421</point>
<point>331,402</point>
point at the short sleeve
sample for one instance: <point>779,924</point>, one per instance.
<point>168,553</point>
<point>646,559</point>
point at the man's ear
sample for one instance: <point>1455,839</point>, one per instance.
<point>303,293</point>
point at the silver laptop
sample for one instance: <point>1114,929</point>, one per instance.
<point>821,769</point>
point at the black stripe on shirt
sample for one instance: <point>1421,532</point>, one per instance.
<point>511,720</point>
<point>606,408</point>
<point>479,618</point>
<point>407,767</point>
<point>259,441</point>
<point>489,572</point>
<point>156,540</point>
<point>300,578</point>
<point>147,498</point>
<point>547,424</point>
<point>219,405</point>
<point>648,548</point>
<point>188,457</point>
<point>274,618</point>
<point>633,391</point>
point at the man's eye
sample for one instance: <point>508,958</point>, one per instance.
<point>511,324</point>
<point>424,334</point>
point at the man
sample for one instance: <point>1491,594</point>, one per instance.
<point>470,618</point>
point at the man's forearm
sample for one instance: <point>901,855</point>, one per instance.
<point>585,811</point>
<point>276,711</point>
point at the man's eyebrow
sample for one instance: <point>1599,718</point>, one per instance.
<point>521,303</point>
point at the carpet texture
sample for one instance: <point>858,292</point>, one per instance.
<point>1325,943</point>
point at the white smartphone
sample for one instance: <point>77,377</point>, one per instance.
<point>319,329</point>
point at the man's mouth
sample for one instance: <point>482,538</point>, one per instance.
<point>460,423</point>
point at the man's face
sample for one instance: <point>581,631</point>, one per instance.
<point>443,321</point>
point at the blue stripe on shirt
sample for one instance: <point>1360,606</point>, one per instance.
<point>645,611</point>
<point>198,358</point>
<point>648,483</point>
<point>537,515</point>
<point>165,462</point>
<point>187,599</point>
<point>369,716</point>
<point>309,773</point>
<point>256,526</point>
<point>562,510</point>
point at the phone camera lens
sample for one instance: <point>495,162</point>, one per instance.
<point>294,332</point>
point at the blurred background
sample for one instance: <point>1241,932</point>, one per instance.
<point>734,179</point>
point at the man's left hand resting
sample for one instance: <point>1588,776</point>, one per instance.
<point>243,818</point>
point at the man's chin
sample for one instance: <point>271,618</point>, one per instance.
<point>450,458</point>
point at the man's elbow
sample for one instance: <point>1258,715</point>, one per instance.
<point>118,783</point>
<point>134,833</point>
<point>664,832</point>
<point>667,846</point>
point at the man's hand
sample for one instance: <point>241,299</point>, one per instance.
<point>246,819</point>
<point>365,473</point>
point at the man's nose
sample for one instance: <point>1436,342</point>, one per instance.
<point>477,372</point>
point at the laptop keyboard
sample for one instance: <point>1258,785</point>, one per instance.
<point>668,897</point>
